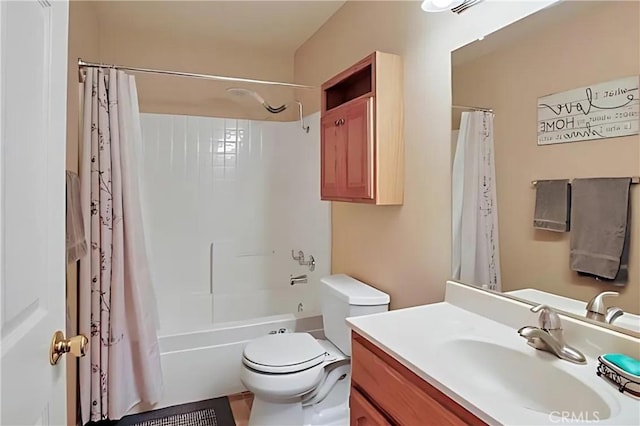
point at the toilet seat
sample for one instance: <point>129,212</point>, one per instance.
<point>303,365</point>
<point>284,353</point>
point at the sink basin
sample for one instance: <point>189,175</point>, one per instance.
<point>530,380</point>
<point>469,350</point>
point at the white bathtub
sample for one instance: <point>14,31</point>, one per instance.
<point>206,364</point>
<point>189,312</point>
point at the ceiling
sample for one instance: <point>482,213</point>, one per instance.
<point>262,24</point>
<point>551,16</point>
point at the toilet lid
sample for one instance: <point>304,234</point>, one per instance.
<point>283,353</point>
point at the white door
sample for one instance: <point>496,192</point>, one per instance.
<point>33,82</point>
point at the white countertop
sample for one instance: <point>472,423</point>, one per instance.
<point>416,338</point>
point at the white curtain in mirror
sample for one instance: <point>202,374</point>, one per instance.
<point>476,253</point>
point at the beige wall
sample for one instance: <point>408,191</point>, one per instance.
<point>404,250</point>
<point>173,51</point>
<point>510,80</point>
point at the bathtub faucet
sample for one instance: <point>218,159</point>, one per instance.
<point>298,279</point>
<point>311,263</point>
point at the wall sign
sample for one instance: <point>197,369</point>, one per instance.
<point>604,110</point>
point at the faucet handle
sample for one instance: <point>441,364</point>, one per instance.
<point>613,314</point>
<point>597,304</point>
<point>549,319</point>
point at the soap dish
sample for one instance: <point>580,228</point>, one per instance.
<point>625,381</point>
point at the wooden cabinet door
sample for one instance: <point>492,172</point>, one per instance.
<point>393,389</point>
<point>362,413</point>
<point>332,158</point>
<point>359,150</point>
<point>347,152</point>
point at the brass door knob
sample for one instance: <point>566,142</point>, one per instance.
<point>77,346</point>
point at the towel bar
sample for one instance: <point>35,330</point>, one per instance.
<point>634,180</point>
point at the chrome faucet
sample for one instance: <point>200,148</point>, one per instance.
<point>597,310</point>
<point>549,336</point>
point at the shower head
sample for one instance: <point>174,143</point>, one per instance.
<point>239,91</point>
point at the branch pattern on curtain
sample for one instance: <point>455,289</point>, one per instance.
<point>476,253</point>
<point>115,295</point>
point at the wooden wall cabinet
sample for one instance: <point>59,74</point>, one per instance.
<point>362,146</point>
<point>384,392</point>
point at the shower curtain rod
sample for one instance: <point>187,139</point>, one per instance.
<point>472,108</point>
<point>83,64</point>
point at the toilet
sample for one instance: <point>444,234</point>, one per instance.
<point>299,380</point>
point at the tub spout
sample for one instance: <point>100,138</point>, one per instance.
<point>298,279</point>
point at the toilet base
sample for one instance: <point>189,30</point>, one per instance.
<point>332,411</point>
<point>265,413</point>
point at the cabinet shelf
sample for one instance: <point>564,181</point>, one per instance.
<point>354,86</point>
<point>362,148</point>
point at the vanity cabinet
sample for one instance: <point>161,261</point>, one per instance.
<point>362,147</point>
<point>363,413</point>
<point>384,392</point>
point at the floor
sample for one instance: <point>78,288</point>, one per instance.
<point>235,411</point>
<point>241,407</point>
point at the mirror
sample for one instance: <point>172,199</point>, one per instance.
<point>567,46</point>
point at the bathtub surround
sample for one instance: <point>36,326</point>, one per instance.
<point>122,368</point>
<point>476,251</point>
<point>226,201</point>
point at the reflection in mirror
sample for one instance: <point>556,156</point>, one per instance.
<point>571,45</point>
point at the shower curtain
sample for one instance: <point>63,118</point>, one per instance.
<point>476,253</point>
<point>116,304</point>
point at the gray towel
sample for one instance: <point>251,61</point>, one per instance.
<point>599,220</point>
<point>553,200</point>
<point>76,242</point>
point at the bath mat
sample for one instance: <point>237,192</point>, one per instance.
<point>211,412</point>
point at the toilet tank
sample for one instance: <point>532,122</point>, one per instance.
<point>343,297</point>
